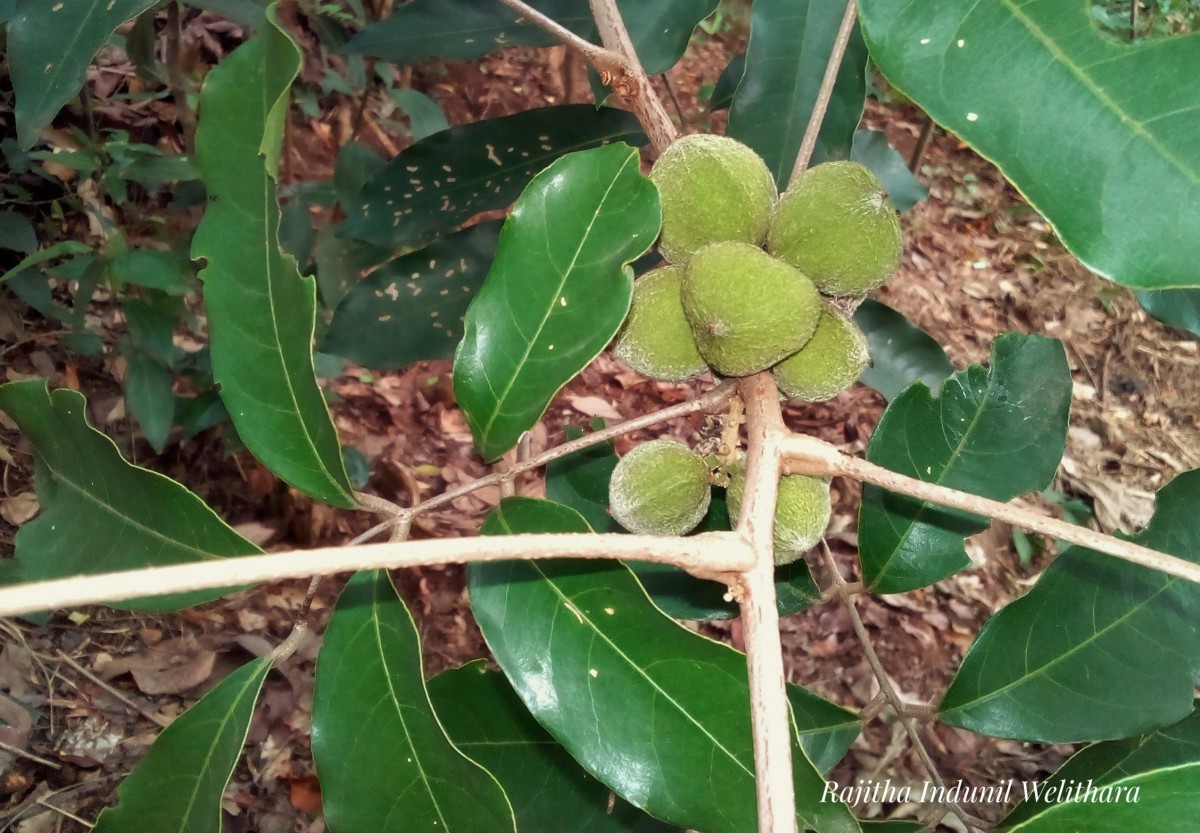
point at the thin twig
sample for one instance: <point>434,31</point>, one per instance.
<point>923,142</point>
<point>603,59</point>
<point>674,101</point>
<point>175,77</point>
<point>808,455</point>
<point>115,692</point>
<point>825,93</point>
<point>25,754</point>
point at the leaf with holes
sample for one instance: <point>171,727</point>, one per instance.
<point>466,29</point>
<point>177,787</point>
<point>50,45</point>
<point>383,759</point>
<point>654,710</point>
<point>441,182</point>
<point>412,308</point>
<point>1099,648</point>
<point>558,291</point>
<point>901,352</point>
<point>998,433</point>
<point>549,791</point>
<point>101,514</point>
<point>1119,185</point>
<point>261,312</point>
<point>790,44</point>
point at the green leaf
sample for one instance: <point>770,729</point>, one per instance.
<point>50,45</point>
<point>1009,77</point>
<point>557,293</point>
<point>383,759</point>
<point>425,116</point>
<point>356,163</point>
<point>152,269</point>
<point>790,44</point>
<point>550,793</point>
<point>412,308</point>
<point>901,352</point>
<point>654,710</point>
<point>1176,307</point>
<point>727,83</point>
<point>441,182</point>
<point>341,262</point>
<point>466,29</point>
<point>101,514</point>
<point>16,233</point>
<point>580,480</point>
<point>1098,649</point>
<point>261,312</point>
<point>249,13</point>
<point>150,396</point>
<point>872,150</point>
<point>1122,762</point>
<point>177,787</point>
<point>998,433</point>
<point>59,249</point>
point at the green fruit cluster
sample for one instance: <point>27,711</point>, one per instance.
<point>749,269</point>
<point>659,488</point>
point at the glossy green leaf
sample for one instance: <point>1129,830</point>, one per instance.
<point>177,787</point>
<point>790,44</point>
<point>99,513</point>
<point>152,269</point>
<point>441,182</point>
<point>727,83</point>
<point>901,352</point>
<point>1121,762</point>
<point>871,149</point>
<point>549,791</point>
<point>580,480</point>
<point>998,433</point>
<point>1098,649</point>
<point>149,393</point>
<point>412,308</point>
<point>261,312</point>
<point>654,710</point>
<point>467,29</point>
<point>557,293</point>
<point>50,45</point>
<point>1162,800</point>
<point>1099,136</point>
<point>356,163</point>
<point>1177,307</point>
<point>382,757</point>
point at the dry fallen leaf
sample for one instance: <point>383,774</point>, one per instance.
<point>170,667</point>
<point>19,508</point>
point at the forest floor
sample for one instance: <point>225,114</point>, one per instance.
<point>978,262</point>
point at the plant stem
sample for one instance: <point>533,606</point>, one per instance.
<point>601,58</point>
<point>825,93</point>
<point>175,76</point>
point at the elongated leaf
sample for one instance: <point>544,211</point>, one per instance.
<point>412,308</point>
<point>1009,77</point>
<point>549,791</point>
<point>59,249</point>
<point>657,712</point>
<point>149,396</point>
<point>901,352</point>
<point>557,293</point>
<point>177,787</point>
<point>998,433</point>
<point>261,312</point>
<point>467,29</point>
<point>1163,800</point>
<point>790,44</point>
<point>1098,649</point>
<point>1177,307</point>
<point>1120,763</point>
<point>383,759</point>
<point>50,45</point>
<point>99,513</point>
<point>441,182</point>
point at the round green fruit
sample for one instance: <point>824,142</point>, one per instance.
<point>832,360</point>
<point>835,225</point>
<point>656,340</point>
<point>802,511</point>
<point>713,188</point>
<point>747,309</point>
<point>659,488</point>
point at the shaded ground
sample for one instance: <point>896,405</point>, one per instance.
<point>977,263</point>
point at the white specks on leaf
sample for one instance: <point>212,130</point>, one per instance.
<point>972,117</point>
<point>491,155</point>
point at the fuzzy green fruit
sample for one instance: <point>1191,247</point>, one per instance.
<point>713,188</point>
<point>747,309</point>
<point>659,488</point>
<point>656,340</point>
<point>802,511</point>
<point>832,361</point>
<point>835,225</point>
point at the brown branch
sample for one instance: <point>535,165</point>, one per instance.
<point>825,93</point>
<point>176,78</point>
<point>808,455</point>
<point>602,59</point>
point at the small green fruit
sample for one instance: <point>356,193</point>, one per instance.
<point>747,309</point>
<point>802,511</point>
<point>835,225</point>
<point>832,360</point>
<point>713,188</point>
<point>656,340</point>
<point>659,488</point>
